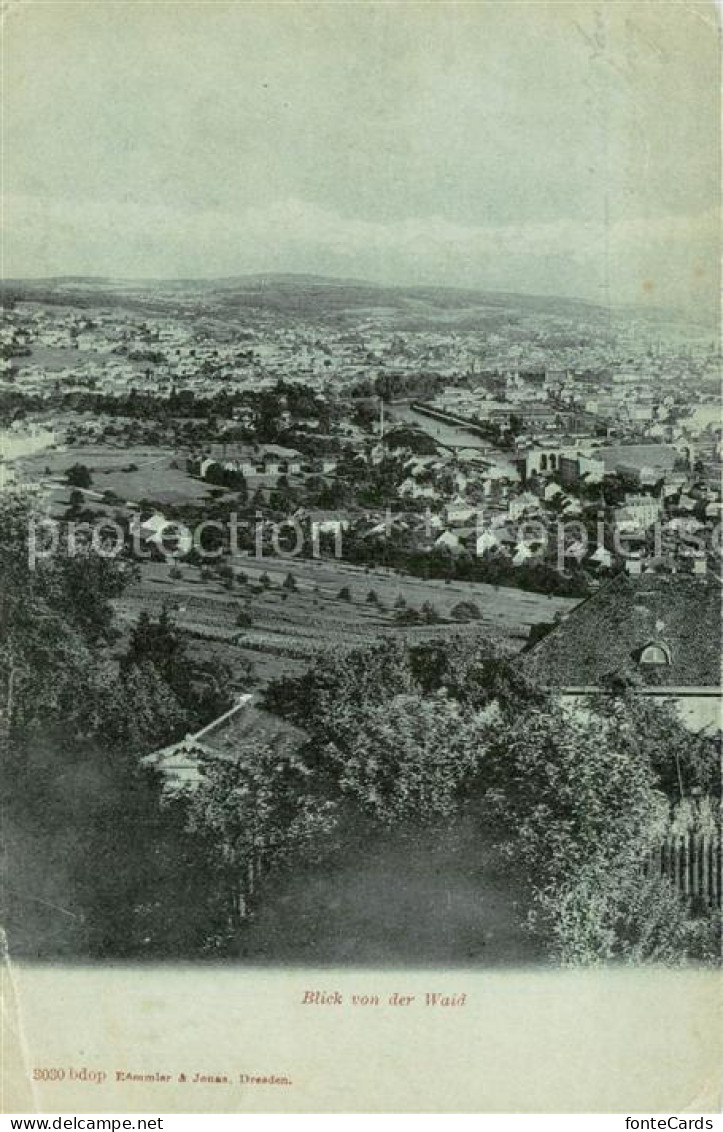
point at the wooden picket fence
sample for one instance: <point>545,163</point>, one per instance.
<point>692,863</point>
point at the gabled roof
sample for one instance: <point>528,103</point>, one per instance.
<point>180,763</point>
<point>604,636</point>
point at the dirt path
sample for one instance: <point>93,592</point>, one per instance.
<point>444,899</point>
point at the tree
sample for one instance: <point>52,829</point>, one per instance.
<point>76,502</point>
<point>682,761</point>
<point>225,571</point>
<point>585,809</point>
<point>241,487</point>
<point>256,811</point>
<point>141,711</point>
<point>201,687</point>
<point>408,761</point>
<point>407,616</point>
<point>466,611</point>
<point>373,674</point>
<point>373,597</point>
<point>430,614</point>
<point>365,413</point>
<point>414,439</point>
<point>79,476</point>
<point>71,732</point>
<point>474,670</point>
<point>73,590</point>
<point>344,594</point>
<point>289,583</point>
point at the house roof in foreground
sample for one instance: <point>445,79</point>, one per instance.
<point>604,637</point>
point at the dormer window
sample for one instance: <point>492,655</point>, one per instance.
<point>655,654</point>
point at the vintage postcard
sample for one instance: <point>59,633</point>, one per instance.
<point>360,557</point>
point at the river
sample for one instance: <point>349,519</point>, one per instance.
<point>455,436</point>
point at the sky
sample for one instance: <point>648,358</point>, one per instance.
<point>552,148</point>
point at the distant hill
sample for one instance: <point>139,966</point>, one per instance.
<point>312,298</point>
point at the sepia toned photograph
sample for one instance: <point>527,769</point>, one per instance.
<point>360,491</point>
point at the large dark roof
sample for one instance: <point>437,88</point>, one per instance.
<point>604,636</point>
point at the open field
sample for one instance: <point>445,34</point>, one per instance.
<point>58,357</point>
<point>155,480</point>
<point>154,477</point>
<point>290,627</point>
